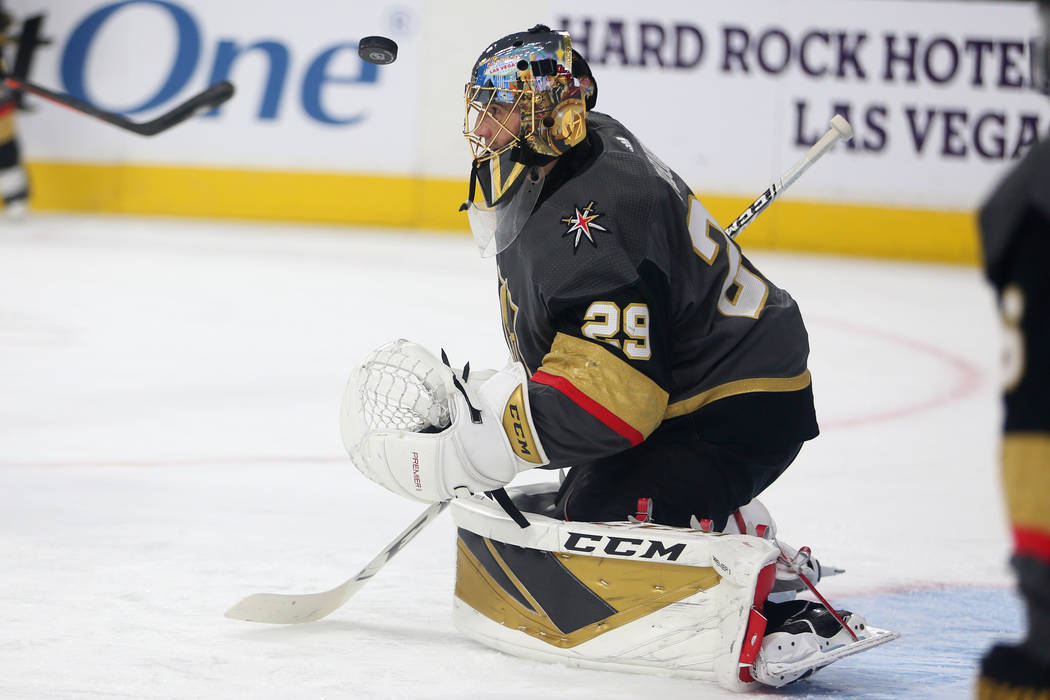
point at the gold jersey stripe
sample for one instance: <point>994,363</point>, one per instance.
<point>1026,479</point>
<point>741,386</point>
<point>7,127</point>
<point>609,381</point>
<point>990,689</point>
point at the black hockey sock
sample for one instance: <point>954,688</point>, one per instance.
<point>1034,582</point>
<point>1005,669</point>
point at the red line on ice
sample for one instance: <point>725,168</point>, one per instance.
<point>967,376</point>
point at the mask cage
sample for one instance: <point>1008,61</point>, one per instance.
<point>480,101</point>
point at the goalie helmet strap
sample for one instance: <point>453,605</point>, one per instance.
<point>472,189</point>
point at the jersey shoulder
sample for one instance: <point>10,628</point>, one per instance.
<point>1025,188</point>
<point>596,230</point>
<point>625,154</point>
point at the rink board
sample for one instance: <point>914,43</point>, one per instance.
<point>336,198</point>
<point>939,93</point>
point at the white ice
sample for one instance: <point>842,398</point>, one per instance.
<point>169,443</point>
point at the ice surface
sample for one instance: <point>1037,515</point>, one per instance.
<point>169,443</point>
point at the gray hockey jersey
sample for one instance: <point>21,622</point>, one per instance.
<point>629,306</point>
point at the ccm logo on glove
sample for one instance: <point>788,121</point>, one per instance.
<point>516,425</point>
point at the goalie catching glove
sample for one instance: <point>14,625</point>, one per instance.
<point>414,426</point>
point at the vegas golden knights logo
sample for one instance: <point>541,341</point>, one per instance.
<point>582,224</point>
<point>509,311</point>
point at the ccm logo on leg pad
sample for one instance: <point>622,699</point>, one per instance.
<point>623,546</point>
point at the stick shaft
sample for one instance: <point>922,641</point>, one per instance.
<point>209,99</point>
<point>840,129</point>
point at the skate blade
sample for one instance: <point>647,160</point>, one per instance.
<point>782,674</point>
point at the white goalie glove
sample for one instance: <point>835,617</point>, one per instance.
<point>412,425</point>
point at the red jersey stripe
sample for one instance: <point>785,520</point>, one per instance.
<point>1032,543</point>
<point>607,417</point>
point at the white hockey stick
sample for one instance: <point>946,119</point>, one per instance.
<point>840,129</point>
<point>286,609</point>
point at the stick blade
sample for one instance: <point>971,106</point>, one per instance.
<point>287,609</point>
<point>206,101</point>
<point>290,609</point>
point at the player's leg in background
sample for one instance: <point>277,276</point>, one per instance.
<point>1013,671</point>
<point>14,184</point>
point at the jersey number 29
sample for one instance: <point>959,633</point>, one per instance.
<point>603,320</point>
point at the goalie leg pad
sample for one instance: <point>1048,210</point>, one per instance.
<point>754,519</point>
<point>620,596</point>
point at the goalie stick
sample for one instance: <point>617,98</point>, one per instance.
<point>286,609</point>
<point>211,98</point>
<point>840,129</point>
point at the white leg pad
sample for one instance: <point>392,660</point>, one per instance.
<point>620,596</point>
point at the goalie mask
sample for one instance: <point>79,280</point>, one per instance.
<point>525,106</point>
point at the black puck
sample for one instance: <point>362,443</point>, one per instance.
<point>377,49</point>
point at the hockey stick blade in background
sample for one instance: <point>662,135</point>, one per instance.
<point>203,102</point>
<point>840,129</point>
<point>286,609</point>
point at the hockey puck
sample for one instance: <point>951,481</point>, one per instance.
<point>377,49</point>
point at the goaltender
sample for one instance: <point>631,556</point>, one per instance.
<point>650,356</point>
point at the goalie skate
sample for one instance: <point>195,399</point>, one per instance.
<point>808,642</point>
